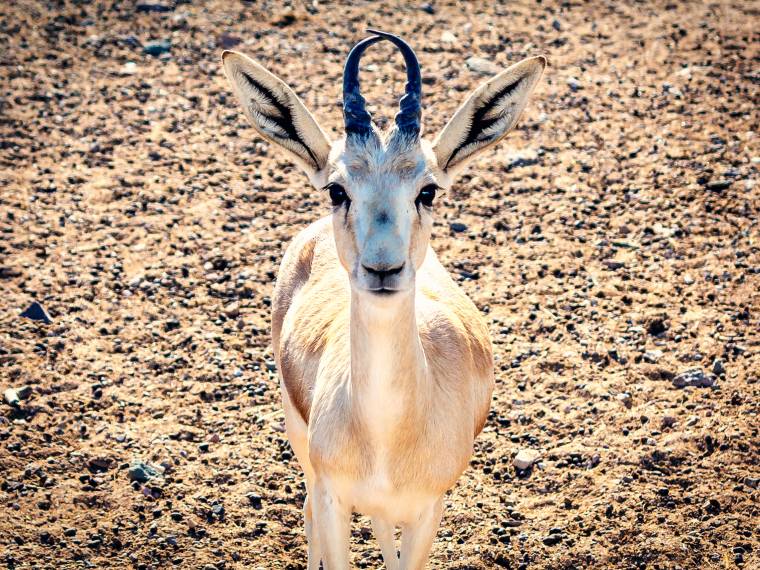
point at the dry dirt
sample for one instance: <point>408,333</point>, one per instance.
<point>611,241</point>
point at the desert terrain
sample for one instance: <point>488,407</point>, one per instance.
<point>611,241</point>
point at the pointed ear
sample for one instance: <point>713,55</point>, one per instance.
<point>487,115</point>
<point>277,113</point>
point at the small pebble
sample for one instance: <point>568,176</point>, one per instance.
<point>694,377</point>
<point>37,312</point>
<point>525,458</point>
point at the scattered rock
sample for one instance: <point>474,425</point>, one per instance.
<point>694,377</point>
<point>652,356</point>
<point>457,227</point>
<point>100,463</point>
<point>657,325</point>
<point>667,422</point>
<point>521,158</point>
<point>613,264</point>
<point>228,41</point>
<point>254,500</point>
<point>129,68</point>
<point>574,84</point>
<point>154,6</point>
<point>448,37</point>
<point>232,310</point>
<point>482,66</point>
<point>552,539</point>
<point>717,368</point>
<point>625,398</point>
<point>525,458</point>
<point>13,396</point>
<point>36,312</point>
<point>157,47</point>
<point>719,185</point>
<point>143,472</point>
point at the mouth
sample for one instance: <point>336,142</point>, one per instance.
<point>383,292</point>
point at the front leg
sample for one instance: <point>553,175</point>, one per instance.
<point>417,536</point>
<point>332,523</point>
<point>384,532</point>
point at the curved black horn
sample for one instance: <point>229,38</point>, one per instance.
<point>410,111</point>
<point>356,118</point>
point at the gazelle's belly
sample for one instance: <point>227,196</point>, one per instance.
<point>377,497</point>
<point>373,493</point>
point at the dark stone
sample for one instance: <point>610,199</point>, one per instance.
<point>146,7</point>
<point>142,472</point>
<point>255,500</point>
<point>100,463</point>
<point>227,41</point>
<point>656,326</point>
<point>694,377</point>
<point>718,185</point>
<point>36,312</point>
<point>157,47</point>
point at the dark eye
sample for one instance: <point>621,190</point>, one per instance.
<point>338,194</point>
<point>427,195</point>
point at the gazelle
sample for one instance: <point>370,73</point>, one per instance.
<point>385,365</point>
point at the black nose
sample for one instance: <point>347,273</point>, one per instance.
<point>383,271</point>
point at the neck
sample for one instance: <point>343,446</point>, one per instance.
<point>385,343</point>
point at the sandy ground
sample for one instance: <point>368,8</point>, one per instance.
<point>612,243</point>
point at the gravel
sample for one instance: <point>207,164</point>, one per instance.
<point>525,458</point>
<point>694,377</point>
<point>138,204</point>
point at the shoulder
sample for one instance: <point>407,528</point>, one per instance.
<point>297,266</point>
<point>450,321</point>
<point>456,339</point>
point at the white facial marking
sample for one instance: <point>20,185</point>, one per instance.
<point>382,231</point>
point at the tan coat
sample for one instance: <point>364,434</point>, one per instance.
<point>442,410</point>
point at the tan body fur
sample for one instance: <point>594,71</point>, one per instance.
<point>310,326</point>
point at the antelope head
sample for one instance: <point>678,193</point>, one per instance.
<point>382,185</point>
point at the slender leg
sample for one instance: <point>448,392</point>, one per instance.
<point>332,522</point>
<point>417,537</point>
<point>312,540</point>
<point>384,533</point>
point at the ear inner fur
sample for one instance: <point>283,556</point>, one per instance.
<point>480,122</point>
<point>285,121</point>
